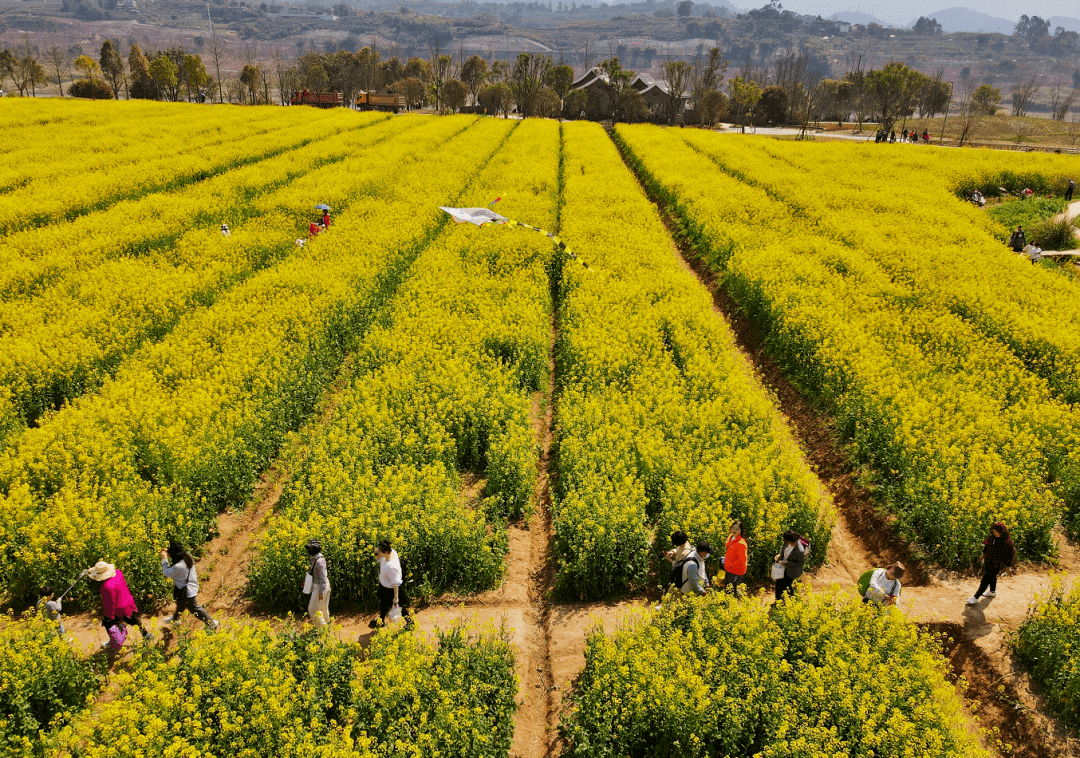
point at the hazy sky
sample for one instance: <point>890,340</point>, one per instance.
<point>903,11</point>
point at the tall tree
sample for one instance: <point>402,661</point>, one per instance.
<point>616,84</point>
<point>7,65</point>
<point>894,89</point>
<point>58,60</point>
<point>141,86</point>
<point>1022,95</point>
<point>250,78</point>
<point>473,75</point>
<point>985,99</point>
<point>163,72</point>
<point>560,78</point>
<point>707,76</point>
<point>927,26</point>
<point>112,66</point>
<point>455,94</point>
<point>1061,100</point>
<point>441,70</point>
<point>86,65</point>
<point>527,80</point>
<point>969,111</point>
<point>677,76</point>
<point>743,97</point>
<point>195,75</point>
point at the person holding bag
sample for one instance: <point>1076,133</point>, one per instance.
<point>788,564</point>
<point>392,598</point>
<point>178,565</point>
<point>317,583</point>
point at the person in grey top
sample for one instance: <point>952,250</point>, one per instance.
<point>50,607</point>
<point>178,565</point>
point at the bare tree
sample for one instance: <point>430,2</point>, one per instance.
<point>1023,94</point>
<point>282,76</point>
<point>1072,128</point>
<point>969,112</point>
<point>677,75</point>
<point>1061,101</point>
<point>441,68</point>
<point>219,54</point>
<point>58,59</point>
<point>707,76</point>
<point>527,79</point>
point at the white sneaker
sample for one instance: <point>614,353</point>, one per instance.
<point>973,601</point>
<point>168,619</point>
<point>989,594</point>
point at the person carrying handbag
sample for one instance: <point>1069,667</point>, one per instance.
<point>178,565</point>
<point>317,582</point>
<point>392,597</point>
<point>788,564</point>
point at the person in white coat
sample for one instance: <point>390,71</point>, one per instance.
<point>178,565</point>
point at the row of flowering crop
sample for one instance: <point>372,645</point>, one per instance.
<point>250,690</point>
<point>919,232</point>
<point>188,423</point>
<point>660,423</point>
<point>1044,646</point>
<point>956,430</point>
<point>140,226</point>
<point>819,675</point>
<point>44,683</point>
<point>67,338</point>
<point>443,388</point>
<point>69,167</point>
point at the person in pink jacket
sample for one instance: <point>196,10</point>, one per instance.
<point>116,600</point>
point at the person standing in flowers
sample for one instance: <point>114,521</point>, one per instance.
<point>117,604</point>
<point>734,560</point>
<point>49,607</point>
<point>998,554</point>
<point>178,565</point>
<point>391,585</point>
<point>317,582</point>
<point>681,555</point>
<point>884,586</point>
<point>791,557</point>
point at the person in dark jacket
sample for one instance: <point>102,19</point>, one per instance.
<point>1017,241</point>
<point>998,554</point>
<point>791,557</point>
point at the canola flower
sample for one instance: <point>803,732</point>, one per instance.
<point>44,683</point>
<point>1045,645</point>
<point>957,431</point>
<point>98,156</point>
<point>444,388</point>
<point>188,424</point>
<point>660,423</point>
<point>65,339</point>
<point>821,675</point>
<point>251,691</point>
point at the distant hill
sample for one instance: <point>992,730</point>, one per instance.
<point>854,17</point>
<point>967,20</point>
<point>1069,24</point>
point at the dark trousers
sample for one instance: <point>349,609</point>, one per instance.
<point>787,584</point>
<point>731,581</point>
<point>989,580</point>
<point>135,619</point>
<point>185,603</point>
<point>1068,194</point>
<point>386,601</point>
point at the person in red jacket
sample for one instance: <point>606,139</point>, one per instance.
<point>326,219</point>
<point>734,559</point>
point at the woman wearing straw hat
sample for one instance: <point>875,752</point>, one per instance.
<point>116,600</point>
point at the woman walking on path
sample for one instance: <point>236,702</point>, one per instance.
<point>790,557</point>
<point>318,609</point>
<point>998,554</point>
<point>117,603</point>
<point>734,560</point>
<point>178,565</point>
<point>391,585</point>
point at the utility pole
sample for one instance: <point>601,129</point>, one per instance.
<point>942,137</point>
